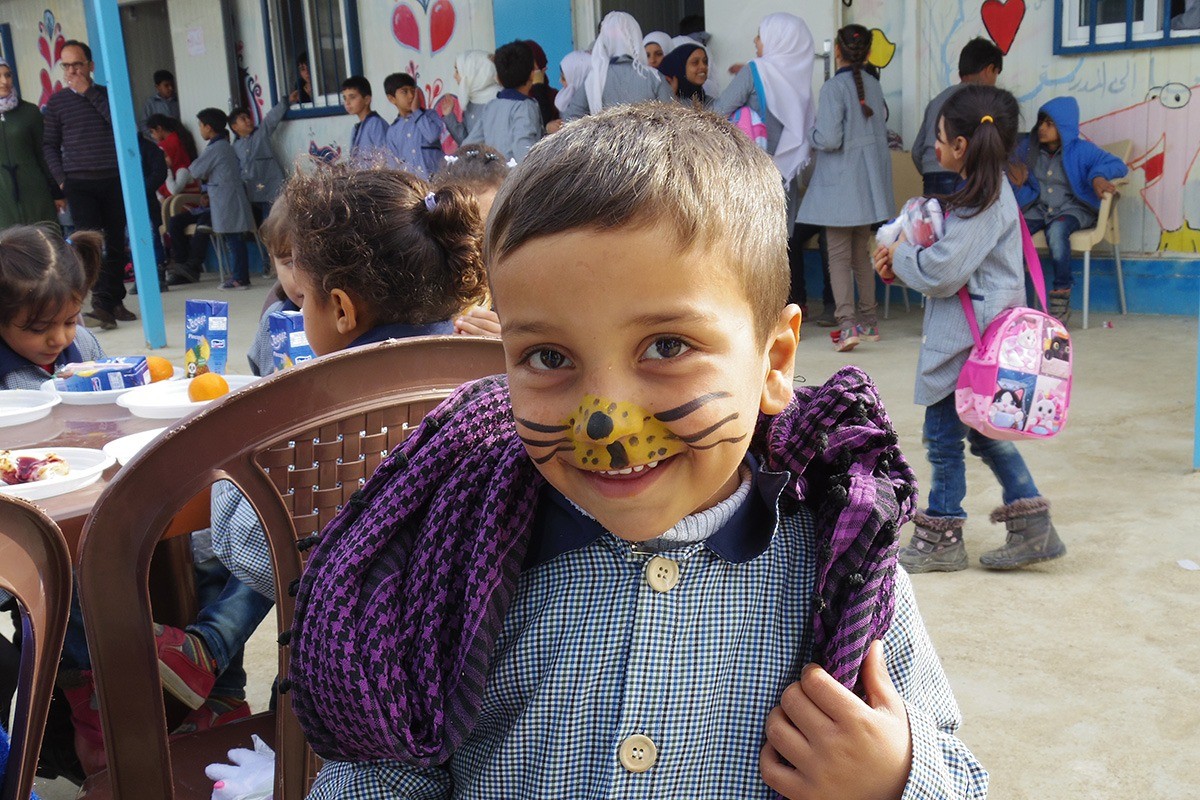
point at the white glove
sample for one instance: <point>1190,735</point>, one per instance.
<point>251,777</point>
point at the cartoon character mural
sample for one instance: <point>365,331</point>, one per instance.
<point>324,154</point>
<point>1165,132</point>
<point>50,45</point>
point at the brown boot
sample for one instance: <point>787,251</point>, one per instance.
<point>1060,305</point>
<point>936,545</point>
<point>1031,535</point>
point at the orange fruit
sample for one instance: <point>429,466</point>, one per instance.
<point>160,369</point>
<point>208,386</point>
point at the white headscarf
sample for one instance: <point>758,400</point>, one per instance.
<point>785,69</point>
<point>661,39</point>
<point>574,66</point>
<point>620,35</point>
<point>477,76</point>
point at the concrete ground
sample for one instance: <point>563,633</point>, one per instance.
<point>1077,678</point>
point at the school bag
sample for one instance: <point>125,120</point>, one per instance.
<point>748,120</point>
<point>1016,383</point>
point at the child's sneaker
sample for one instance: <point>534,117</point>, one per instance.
<point>187,671</point>
<point>844,340</point>
<point>868,333</point>
<point>232,285</point>
<point>215,712</point>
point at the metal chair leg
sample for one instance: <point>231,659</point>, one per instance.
<point>1087,284</point>
<point>1120,279</point>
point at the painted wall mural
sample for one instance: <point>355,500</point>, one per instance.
<point>440,27</point>
<point>251,89</point>
<point>323,154</point>
<point>1002,19</point>
<point>50,45</point>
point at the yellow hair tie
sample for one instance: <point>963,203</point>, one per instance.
<point>986,118</point>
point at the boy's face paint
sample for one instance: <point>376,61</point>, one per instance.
<point>620,345</point>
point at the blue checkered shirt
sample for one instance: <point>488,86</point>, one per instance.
<point>591,654</point>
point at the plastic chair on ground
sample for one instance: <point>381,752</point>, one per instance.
<point>1107,229</point>
<point>35,567</point>
<point>297,444</point>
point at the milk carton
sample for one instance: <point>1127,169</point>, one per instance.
<point>103,374</point>
<point>206,337</point>
<point>289,344</point>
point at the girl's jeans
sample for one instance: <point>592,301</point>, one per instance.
<point>1058,237</point>
<point>943,436</point>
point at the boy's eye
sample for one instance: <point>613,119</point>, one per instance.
<point>546,359</point>
<point>667,347</point>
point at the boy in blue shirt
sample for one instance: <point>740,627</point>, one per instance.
<point>607,575</point>
<point>512,122</point>
<point>414,139</point>
<point>368,139</point>
<point>1059,179</point>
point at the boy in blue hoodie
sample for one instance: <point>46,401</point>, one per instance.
<point>1059,184</point>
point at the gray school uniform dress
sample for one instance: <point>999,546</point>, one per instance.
<point>460,130</point>
<point>157,104</point>
<point>923,154</point>
<point>510,125</point>
<point>984,253</point>
<point>218,168</point>
<point>852,179</point>
<point>623,84</point>
<point>261,173</point>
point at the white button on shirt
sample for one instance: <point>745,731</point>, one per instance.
<point>638,753</point>
<point>662,574</point>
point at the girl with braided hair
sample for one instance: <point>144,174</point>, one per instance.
<point>851,187</point>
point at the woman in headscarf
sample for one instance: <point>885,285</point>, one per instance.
<point>619,72</point>
<point>27,191</point>
<point>658,46</point>
<point>541,90</point>
<point>476,77</point>
<point>777,85</point>
<point>686,70</point>
<point>573,71</point>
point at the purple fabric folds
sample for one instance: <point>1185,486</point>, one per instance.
<point>405,593</point>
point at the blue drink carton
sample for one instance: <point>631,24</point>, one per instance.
<point>103,374</point>
<point>289,344</point>
<point>206,338</point>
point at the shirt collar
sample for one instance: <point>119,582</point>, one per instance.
<point>10,361</point>
<point>402,330</point>
<point>512,94</point>
<point>559,527</point>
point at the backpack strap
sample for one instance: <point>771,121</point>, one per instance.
<point>1032,263</point>
<point>759,90</point>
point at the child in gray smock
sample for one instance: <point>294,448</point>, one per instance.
<point>218,168</point>
<point>512,122</point>
<point>261,173</point>
<point>619,72</point>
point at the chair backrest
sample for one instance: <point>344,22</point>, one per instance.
<point>35,567</point>
<point>297,444</point>
<point>178,202</point>
<point>906,180</point>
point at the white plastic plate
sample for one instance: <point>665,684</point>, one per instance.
<point>94,398</point>
<point>18,406</point>
<point>169,399</point>
<point>125,448</point>
<point>86,468</point>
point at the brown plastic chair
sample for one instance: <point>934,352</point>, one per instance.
<point>297,444</point>
<point>35,567</point>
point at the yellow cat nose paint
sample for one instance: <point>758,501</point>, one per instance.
<point>608,434</point>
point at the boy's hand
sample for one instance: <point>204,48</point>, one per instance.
<point>825,742</point>
<point>1103,186</point>
<point>476,321</point>
<point>1018,173</point>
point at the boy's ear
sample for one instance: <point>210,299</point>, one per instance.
<point>781,362</point>
<point>347,314</point>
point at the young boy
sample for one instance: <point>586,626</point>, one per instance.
<point>979,62</point>
<point>512,122</point>
<point>163,101</point>
<point>1059,182</point>
<point>605,576</point>
<point>368,139</point>
<point>218,168</point>
<point>261,173</point>
<point>415,138</point>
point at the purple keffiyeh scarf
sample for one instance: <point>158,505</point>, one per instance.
<point>405,592</point>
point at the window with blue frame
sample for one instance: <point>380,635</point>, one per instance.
<point>312,46</point>
<point>1083,26</point>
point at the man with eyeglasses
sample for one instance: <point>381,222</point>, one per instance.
<point>82,156</point>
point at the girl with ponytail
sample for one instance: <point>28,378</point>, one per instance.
<point>43,281</point>
<point>851,186</point>
<point>981,249</point>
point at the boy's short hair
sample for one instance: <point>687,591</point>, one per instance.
<point>397,81</point>
<point>161,75</point>
<point>514,64</point>
<point>652,164</point>
<point>977,55</point>
<point>239,111</point>
<point>159,121</point>
<point>359,84</point>
<point>214,118</point>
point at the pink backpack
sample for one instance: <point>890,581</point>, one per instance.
<point>1016,383</point>
<point>750,123</point>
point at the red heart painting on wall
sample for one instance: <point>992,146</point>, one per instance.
<point>1002,20</point>
<point>407,30</point>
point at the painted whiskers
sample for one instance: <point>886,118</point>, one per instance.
<point>615,436</point>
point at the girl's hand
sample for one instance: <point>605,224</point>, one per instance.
<point>554,126</point>
<point>476,321</point>
<point>445,106</point>
<point>883,262</point>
